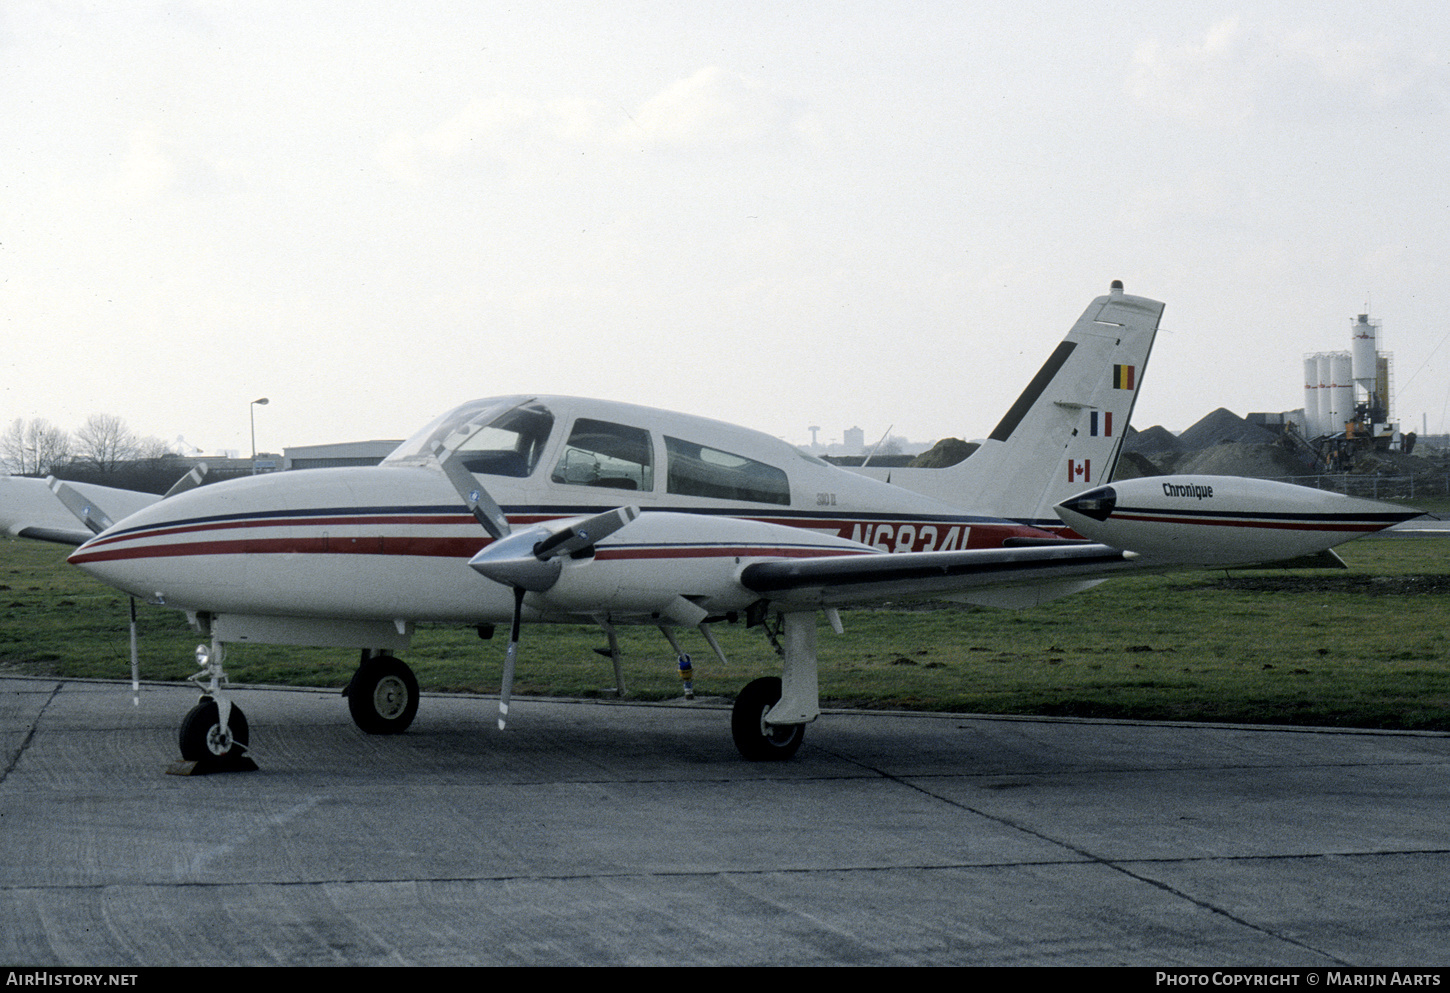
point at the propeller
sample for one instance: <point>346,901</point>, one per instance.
<point>531,561</point>
<point>527,561</point>
<point>97,520</point>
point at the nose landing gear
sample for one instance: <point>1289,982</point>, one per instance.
<point>214,735</point>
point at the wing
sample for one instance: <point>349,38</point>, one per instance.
<point>833,581</point>
<point>29,508</point>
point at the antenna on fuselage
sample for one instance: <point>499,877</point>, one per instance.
<point>878,445</point>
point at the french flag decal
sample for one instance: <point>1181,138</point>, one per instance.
<point>1123,377</point>
<point>1100,424</point>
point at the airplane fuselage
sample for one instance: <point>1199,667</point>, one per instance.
<point>392,541</point>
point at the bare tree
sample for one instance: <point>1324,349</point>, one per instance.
<point>153,449</point>
<point>105,441</point>
<point>34,448</point>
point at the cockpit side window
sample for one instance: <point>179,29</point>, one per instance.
<point>698,470</point>
<point>509,445</point>
<point>613,456</point>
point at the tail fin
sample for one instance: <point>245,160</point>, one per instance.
<point>1064,433</point>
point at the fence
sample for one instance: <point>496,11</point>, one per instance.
<point>1377,487</point>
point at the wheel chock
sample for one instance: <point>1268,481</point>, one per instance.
<point>212,764</point>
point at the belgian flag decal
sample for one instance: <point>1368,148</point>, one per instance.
<point>1123,377</point>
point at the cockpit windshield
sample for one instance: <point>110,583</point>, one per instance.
<point>498,437</point>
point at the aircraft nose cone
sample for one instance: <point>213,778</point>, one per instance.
<point>1097,504</point>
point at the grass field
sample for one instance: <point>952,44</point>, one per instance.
<point>1365,647</point>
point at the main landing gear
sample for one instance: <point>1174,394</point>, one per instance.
<point>757,740</point>
<point>768,721</point>
<point>383,694</point>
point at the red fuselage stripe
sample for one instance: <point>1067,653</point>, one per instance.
<point>434,547</point>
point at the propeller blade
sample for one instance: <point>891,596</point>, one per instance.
<point>479,503</point>
<point>135,660</point>
<point>577,537</point>
<point>86,512</point>
<point>510,658</point>
<point>189,481</point>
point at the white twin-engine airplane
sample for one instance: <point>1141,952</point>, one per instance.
<point>542,508</point>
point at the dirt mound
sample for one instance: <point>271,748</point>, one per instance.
<point>1154,439</point>
<point>1223,425</point>
<point>1397,464</point>
<point>948,451</point>
<point>1133,465</point>
<point>1235,459</point>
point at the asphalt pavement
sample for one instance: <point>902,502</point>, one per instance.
<point>596,833</point>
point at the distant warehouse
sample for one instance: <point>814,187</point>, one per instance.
<point>331,456</point>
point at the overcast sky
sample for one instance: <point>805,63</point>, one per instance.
<point>779,214</point>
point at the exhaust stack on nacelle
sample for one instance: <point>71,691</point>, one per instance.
<point>1222,520</point>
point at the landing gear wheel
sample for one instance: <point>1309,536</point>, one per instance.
<point>202,736</point>
<point>757,740</point>
<point>383,695</point>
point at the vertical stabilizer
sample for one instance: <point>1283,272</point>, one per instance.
<point>1064,433</point>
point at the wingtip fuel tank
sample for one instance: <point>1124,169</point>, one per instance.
<point>1223,520</point>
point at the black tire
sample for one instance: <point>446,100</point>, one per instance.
<point>383,695</point>
<point>202,736</point>
<point>758,741</point>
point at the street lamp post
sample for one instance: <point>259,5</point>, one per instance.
<point>252,415</point>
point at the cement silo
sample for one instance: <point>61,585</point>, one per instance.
<point>1371,370</point>
<point>1326,377</point>
<point>1364,347</point>
<point>1346,395</point>
<point>1341,391</point>
<point>1312,413</point>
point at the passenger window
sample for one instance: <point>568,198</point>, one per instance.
<point>609,455</point>
<point>696,470</point>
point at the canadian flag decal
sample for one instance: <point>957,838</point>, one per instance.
<point>1079,470</point>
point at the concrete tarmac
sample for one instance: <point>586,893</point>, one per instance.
<point>630,834</point>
